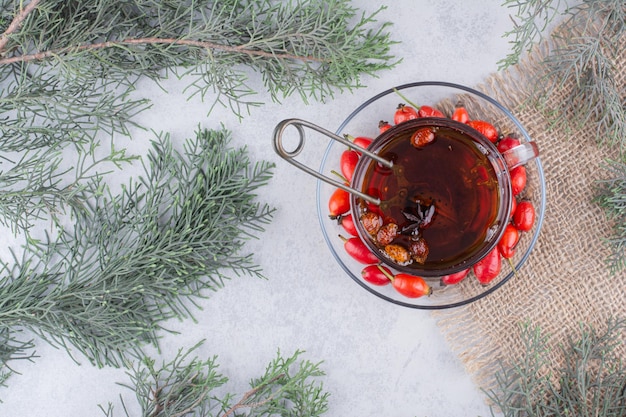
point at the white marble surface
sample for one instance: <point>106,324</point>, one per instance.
<point>379,359</point>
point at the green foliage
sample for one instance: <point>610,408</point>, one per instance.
<point>586,59</point>
<point>612,197</point>
<point>307,47</point>
<point>12,348</point>
<point>134,259</point>
<point>113,266</point>
<point>68,70</point>
<point>591,381</point>
<point>187,386</point>
<point>280,392</point>
<point>531,20</point>
<point>582,54</point>
<point>36,188</point>
<point>579,67</point>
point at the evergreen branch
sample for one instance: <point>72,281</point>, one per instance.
<point>34,188</point>
<point>38,109</point>
<point>247,399</point>
<point>12,349</point>
<point>239,49</point>
<point>580,68</point>
<point>611,196</point>
<point>590,382</point>
<point>103,281</point>
<point>184,387</point>
<point>176,388</point>
<point>582,57</point>
<point>520,383</point>
<point>132,260</point>
<point>306,47</point>
<point>16,23</point>
<point>532,17</point>
<point>70,67</point>
<point>279,389</point>
<point>587,64</point>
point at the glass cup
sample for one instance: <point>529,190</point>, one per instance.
<point>363,121</point>
<point>443,205</point>
<point>429,209</point>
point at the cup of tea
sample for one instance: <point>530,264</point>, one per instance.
<point>428,197</point>
<point>444,202</point>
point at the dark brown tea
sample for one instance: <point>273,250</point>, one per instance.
<point>440,201</point>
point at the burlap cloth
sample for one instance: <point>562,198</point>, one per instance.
<point>565,282</point>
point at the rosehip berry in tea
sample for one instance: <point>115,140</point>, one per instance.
<point>387,234</point>
<point>398,253</point>
<point>422,137</point>
<point>371,222</point>
<point>444,198</point>
<point>419,250</point>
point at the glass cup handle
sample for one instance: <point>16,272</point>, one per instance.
<point>520,154</point>
<point>290,155</point>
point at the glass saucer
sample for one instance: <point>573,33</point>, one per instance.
<point>363,121</point>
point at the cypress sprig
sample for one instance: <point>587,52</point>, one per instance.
<point>135,259</point>
<point>591,381</point>
<point>68,70</point>
<point>40,186</point>
<point>312,48</point>
<point>579,67</point>
<point>530,19</point>
<point>187,386</point>
<point>612,198</point>
<point>113,266</point>
<point>580,62</point>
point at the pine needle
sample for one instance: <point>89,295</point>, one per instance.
<point>590,382</point>
<point>581,54</point>
<point>115,266</point>
<point>580,67</point>
<point>135,259</point>
<point>612,197</point>
<point>188,386</point>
